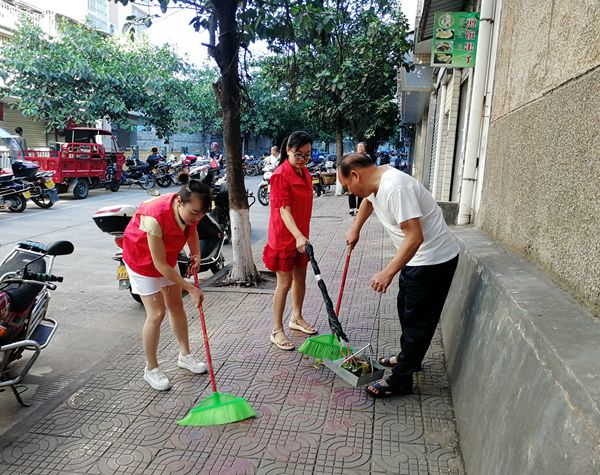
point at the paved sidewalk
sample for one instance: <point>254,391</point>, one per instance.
<point>308,421</point>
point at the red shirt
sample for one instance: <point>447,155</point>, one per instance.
<point>136,252</point>
<point>289,189</point>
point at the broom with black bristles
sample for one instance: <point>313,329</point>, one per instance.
<point>327,347</point>
<point>218,408</point>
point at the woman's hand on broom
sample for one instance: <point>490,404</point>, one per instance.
<point>196,295</point>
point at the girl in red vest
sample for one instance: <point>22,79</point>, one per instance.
<point>155,236</point>
<point>291,200</point>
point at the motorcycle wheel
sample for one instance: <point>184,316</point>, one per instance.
<point>81,189</point>
<point>20,203</point>
<point>114,185</point>
<point>147,182</point>
<point>217,266</point>
<point>227,230</point>
<point>263,195</point>
<point>164,181</point>
<point>317,190</point>
<point>43,201</point>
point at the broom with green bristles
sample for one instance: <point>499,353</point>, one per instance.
<point>327,347</point>
<point>218,408</point>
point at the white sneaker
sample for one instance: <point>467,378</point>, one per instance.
<point>157,379</point>
<point>191,363</point>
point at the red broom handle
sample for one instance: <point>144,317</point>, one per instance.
<point>339,302</point>
<point>205,335</point>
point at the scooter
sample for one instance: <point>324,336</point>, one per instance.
<point>264,188</point>
<point>25,280</point>
<point>114,219</point>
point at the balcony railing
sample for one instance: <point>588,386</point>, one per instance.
<point>10,15</point>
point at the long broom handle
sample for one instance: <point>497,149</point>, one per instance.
<point>339,302</point>
<point>205,335</point>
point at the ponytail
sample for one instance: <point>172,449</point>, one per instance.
<point>190,186</point>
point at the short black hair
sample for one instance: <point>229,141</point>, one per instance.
<point>19,130</point>
<point>352,161</point>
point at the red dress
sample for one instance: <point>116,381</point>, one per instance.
<point>288,189</point>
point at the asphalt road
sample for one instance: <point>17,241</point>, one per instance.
<point>95,318</point>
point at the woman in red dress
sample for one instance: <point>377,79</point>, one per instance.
<point>291,199</point>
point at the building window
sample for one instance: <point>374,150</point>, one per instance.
<point>98,13</point>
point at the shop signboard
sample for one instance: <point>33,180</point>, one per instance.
<point>454,43</point>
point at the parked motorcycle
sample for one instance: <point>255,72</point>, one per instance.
<point>42,188</point>
<point>25,281</point>
<point>14,193</point>
<point>138,173</point>
<point>264,188</point>
<point>114,219</point>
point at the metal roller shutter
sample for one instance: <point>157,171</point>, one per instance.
<point>33,131</point>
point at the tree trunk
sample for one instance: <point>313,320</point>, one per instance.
<point>339,151</point>
<point>243,270</point>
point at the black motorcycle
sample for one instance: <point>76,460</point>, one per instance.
<point>42,189</point>
<point>138,173</point>
<point>25,281</point>
<point>14,193</point>
<point>220,211</point>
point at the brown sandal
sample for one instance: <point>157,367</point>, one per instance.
<point>282,343</point>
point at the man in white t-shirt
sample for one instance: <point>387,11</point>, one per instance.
<point>273,159</point>
<point>426,257</point>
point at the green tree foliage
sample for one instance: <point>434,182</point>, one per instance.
<point>84,75</point>
<point>348,83</point>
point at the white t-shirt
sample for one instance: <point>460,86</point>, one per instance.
<point>401,197</point>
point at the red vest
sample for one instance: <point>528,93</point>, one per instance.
<point>136,252</point>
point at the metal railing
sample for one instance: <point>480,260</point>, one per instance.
<point>10,16</point>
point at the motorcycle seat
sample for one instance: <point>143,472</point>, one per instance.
<point>22,295</point>
<point>139,168</point>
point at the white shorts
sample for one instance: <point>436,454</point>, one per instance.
<point>142,285</point>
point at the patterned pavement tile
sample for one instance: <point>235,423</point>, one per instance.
<point>149,432</point>
<point>407,459</point>
<point>67,422</point>
<point>391,430</point>
<point>177,462</point>
<point>352,424</point>
<point>196,438</point>
<point>123,458</point>
<point>339,454</point>
<point>17,469</point>
<point>242,440</point>
<point>50,453</point>
<point>268,467</point>
<point>402,406</point>
<point>170,405</point>
<point>111,401</point>
<point>443,460</point>
<point>301,419</point>
<point>220,465</point>
<point>292,447</point>
<point>307,396</point>
<point>355,399</point>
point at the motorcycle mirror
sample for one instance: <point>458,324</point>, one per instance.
<point>153,192</point>
<point>61,248</point>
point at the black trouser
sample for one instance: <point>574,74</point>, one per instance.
<point>354,201</point>
<point>423,291</point>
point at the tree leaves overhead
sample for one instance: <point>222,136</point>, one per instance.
<point>350,81</point>
<point>84,75</point>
